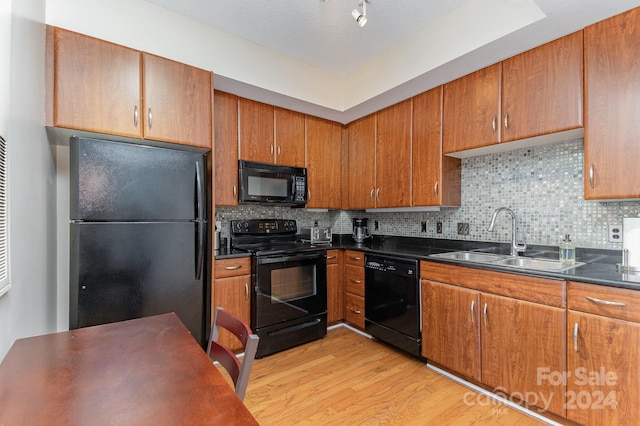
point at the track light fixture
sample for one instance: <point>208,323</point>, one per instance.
<point>360,16</point>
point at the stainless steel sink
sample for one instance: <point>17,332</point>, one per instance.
<point>469,256</point>
<point>536,264</point>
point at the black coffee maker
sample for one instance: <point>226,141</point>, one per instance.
<point>360,230</point>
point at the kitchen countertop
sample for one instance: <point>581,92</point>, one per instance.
<point>599,268</point>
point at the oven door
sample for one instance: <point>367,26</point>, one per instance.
<point>289,287</point>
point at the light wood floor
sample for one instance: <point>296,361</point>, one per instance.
<point>348,379</point>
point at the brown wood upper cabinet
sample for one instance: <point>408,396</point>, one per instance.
<point>534,93</point>
<point>270,135</point>
<point>379,152</point>
<point>125,92</point>
<point>436,179</point>
<point>225,109</point>
<point>612,108</point>
<point>324,163</point>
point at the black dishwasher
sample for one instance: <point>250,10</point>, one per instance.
<point>392,301</point>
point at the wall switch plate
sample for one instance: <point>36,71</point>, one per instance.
<point>463,228</point>
<point>423,226</point>
<point>615,234</point>
<point>438,227</point>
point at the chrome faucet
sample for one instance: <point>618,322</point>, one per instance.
<point>515,247</point>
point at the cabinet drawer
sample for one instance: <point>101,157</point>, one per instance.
<point>355,280</point>
<point>354,310</point>
<point>232,267</point>
<point>332,257</point>
<point>355,258</point>
<point>602,300</point>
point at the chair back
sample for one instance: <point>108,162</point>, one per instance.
<point>238,371</point>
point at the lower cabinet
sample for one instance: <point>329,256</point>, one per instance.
<point>354,288</point>
<point>505,331</point>
<point>335,289</point>
<point>603,342</point>
<point>231,291</point>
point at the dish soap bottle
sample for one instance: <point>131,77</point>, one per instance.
<point>567,251</point>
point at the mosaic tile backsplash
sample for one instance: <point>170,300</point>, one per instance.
<point>542,185</point>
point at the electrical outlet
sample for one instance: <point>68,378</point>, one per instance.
<point>438,227</point>
<point>615,234</point>
<point>423,226</point>
<point>463,228</point>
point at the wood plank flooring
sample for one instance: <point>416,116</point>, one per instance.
<point>348,379</point>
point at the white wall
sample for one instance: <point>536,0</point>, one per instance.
<point>29,308</point>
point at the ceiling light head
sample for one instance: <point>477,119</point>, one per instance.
<point>360,17</point>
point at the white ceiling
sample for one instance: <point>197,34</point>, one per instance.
<point>458,36</point>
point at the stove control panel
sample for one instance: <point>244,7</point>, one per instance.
<point>263,226</point>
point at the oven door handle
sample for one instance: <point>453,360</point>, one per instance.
<point>290,258</point>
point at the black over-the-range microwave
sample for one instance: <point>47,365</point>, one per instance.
<point>271,184</point>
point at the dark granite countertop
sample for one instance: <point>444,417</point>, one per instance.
<point>599,268</point>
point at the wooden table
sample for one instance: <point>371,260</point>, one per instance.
<point>143,371</point>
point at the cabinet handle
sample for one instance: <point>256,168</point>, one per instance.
<point>494,122</point>
<point>271,150</point>
<point>331,257</point>
<point>150,118</point>
<point>355,258</point>
<point>136,116</point>
<point>591,176</point>
<point>506,121</point>
<point>356,281</point>
<point>308,194</point>
<point>575,337</point>
<point>371,194</point>
<point>473,308</point>
<point>484,314</point>
<point>232,268</point>
<point>235,192</point>
<point>378,194</point>
<point>246,291</point>
<point>604,302</point>
<point>435,189</point>
<point>355,311</point>
<point>278,150</point>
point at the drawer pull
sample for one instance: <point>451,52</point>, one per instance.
<point>232,268</point>
<point>355,258</point>
<point>331,257</point>
<point>473,308</point>
<point>604,302</point>
<point>575,337</point>
<point>356,281</point>
<point>355,311</point>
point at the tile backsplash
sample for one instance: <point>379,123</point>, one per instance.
<point>542,185</point>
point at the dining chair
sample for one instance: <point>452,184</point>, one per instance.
<point>239,372</point>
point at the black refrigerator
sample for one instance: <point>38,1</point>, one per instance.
<point>138,234</point>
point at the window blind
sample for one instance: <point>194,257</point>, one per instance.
<point>4,263</point>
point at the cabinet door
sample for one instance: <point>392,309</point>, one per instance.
<point>612,108</point>
<point>393,156</point>
<point>232,294</point>
<point>436,178</point>
<point>603,360</point>
<point>324,163</point>
<point>519,339</point>
<point>97,85</point>
<point>177,102</point>
<point>289,134</point>
<point>256,131</point>
<point>225,109</point>
<point>542,89</point>
<point>471,112</point>
<point>361,135</point>
<point>335,288</point>
<point>450,333</point>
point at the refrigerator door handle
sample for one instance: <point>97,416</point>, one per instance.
<point>200,221</point>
